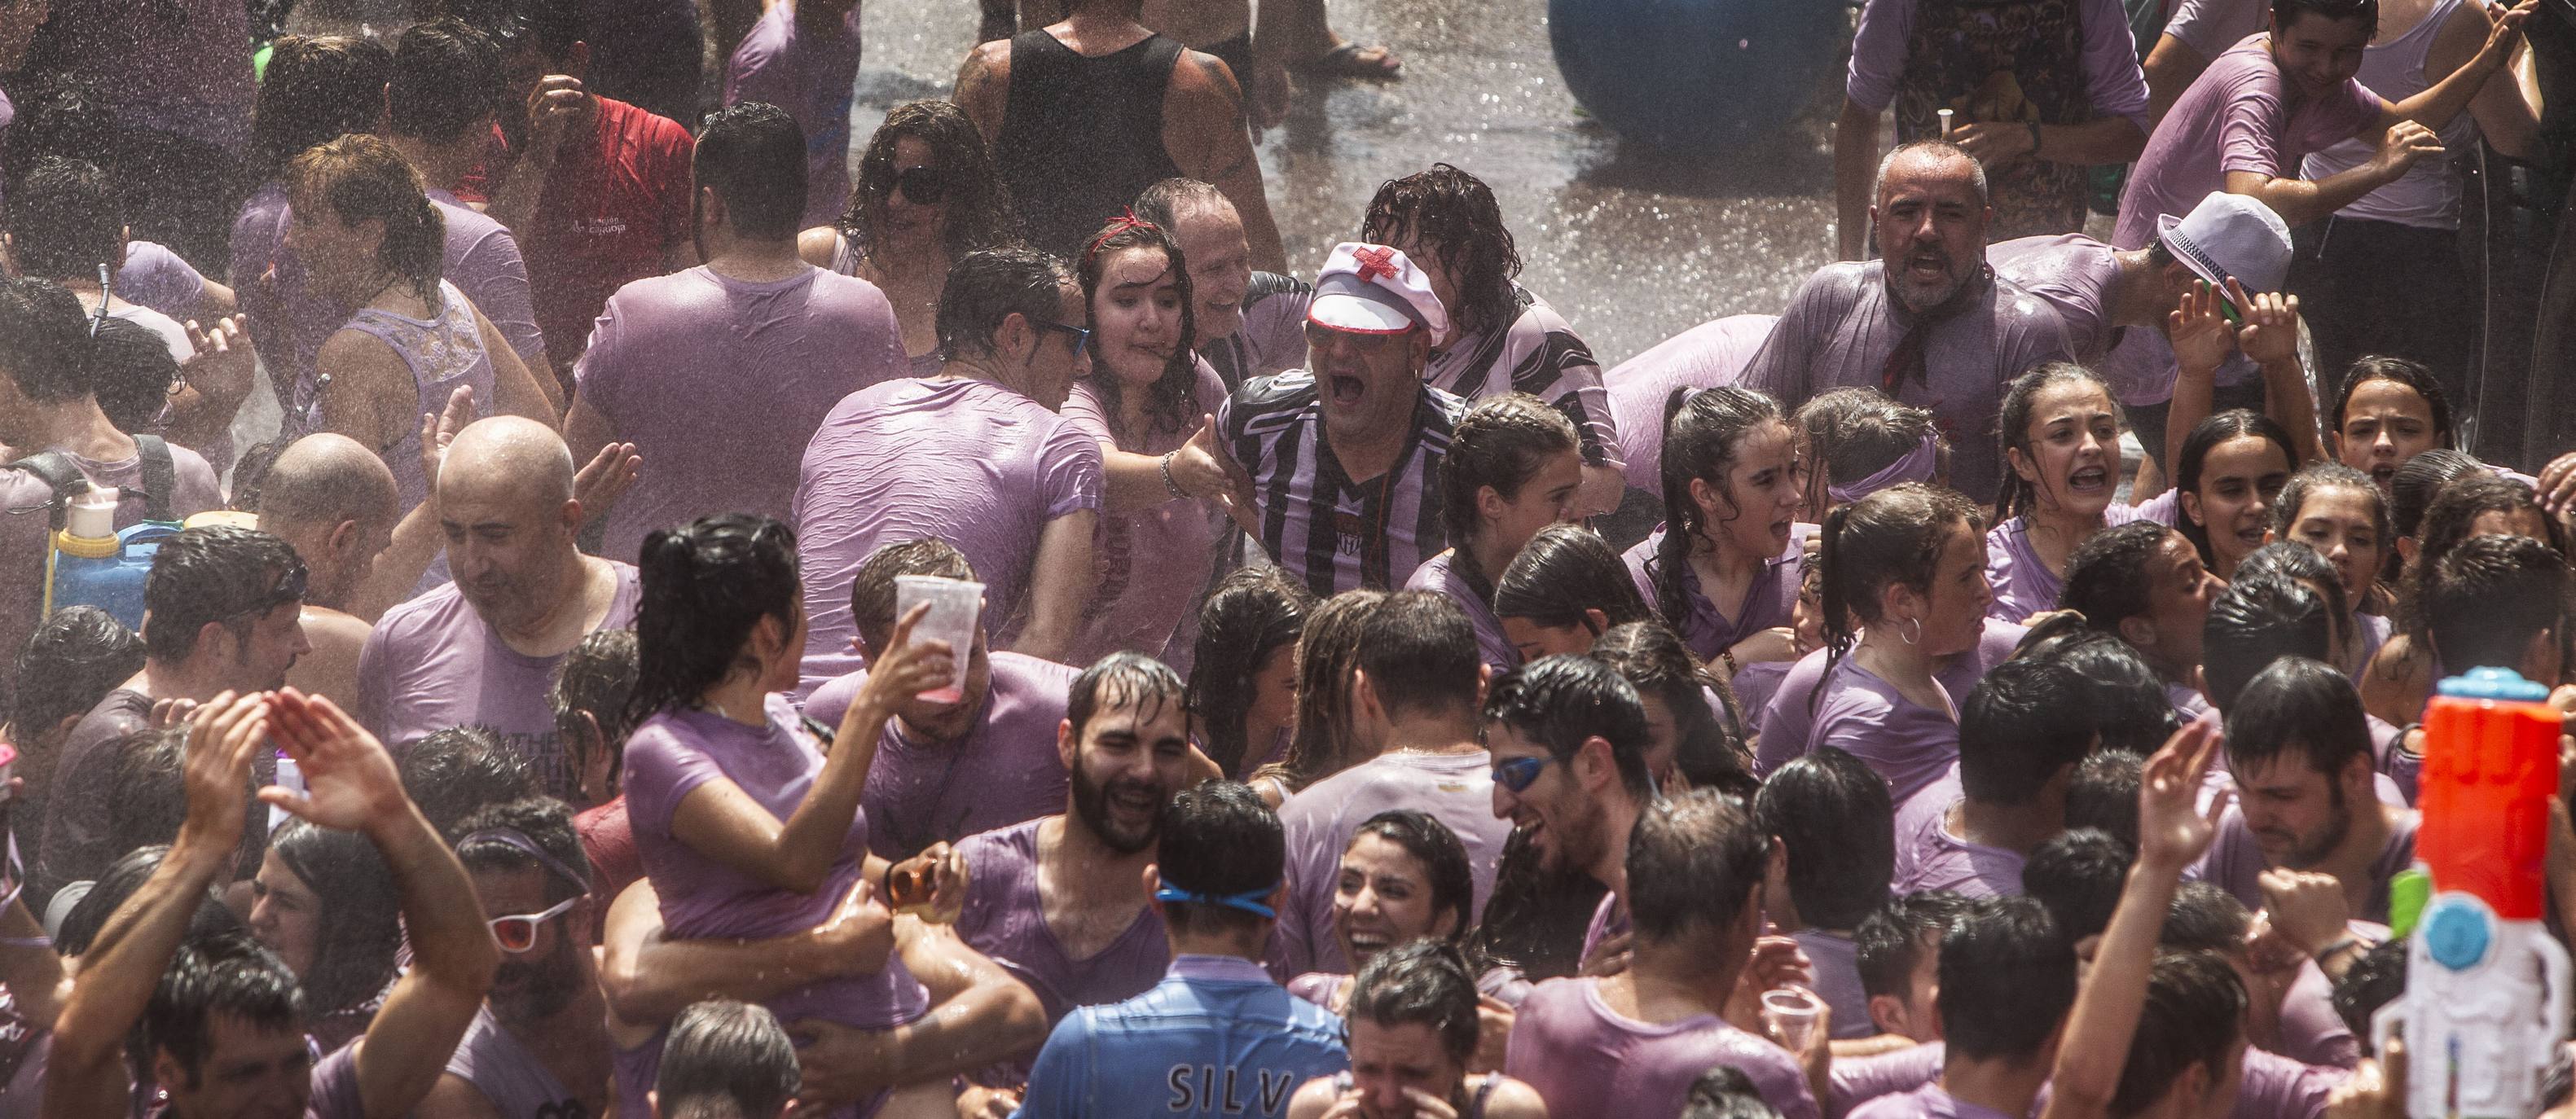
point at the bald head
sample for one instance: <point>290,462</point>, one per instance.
<point>1930,215</point>
<point>507,455</point>
<point>505,504</point>
<point>326,478</point>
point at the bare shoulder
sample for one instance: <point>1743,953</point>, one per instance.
<point>1312,1100</point>
<point>1513,1099</point>
<point>1200,74</point>
<point>819,245</point>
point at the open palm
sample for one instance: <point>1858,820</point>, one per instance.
<point>349,779</point>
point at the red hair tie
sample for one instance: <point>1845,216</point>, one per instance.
<point>1125,221</point>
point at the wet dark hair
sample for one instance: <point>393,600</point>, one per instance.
<point>2078,875</point>
<point>1853,433</point>
<point>988,286</point>
<point>597,679</point>
<point>1420,982</point>
<point>2124,695</point>
<point>2331,475</point>
<point>227,975</point>
<point>2016,496</point>
<point>1253,613</point>
<point>1560,702</point>
<point>2372,981</point>
<point>1564,571</point>
<point>1832,815</point>
<point>1121,679</point>
<point>2290,559</point>
<point>77,655</point>
<point>131,374</point>
<point>1501,442</point>
<point>1419,651</point>
<point>1219,839</point>
<point>44,340</point>
<point>978,205</point>
<point>1891,538</point>
<point>704,587</point>
<point>752,154</point>
<point>2193,1015</point>
<point>2452,516</point>
<point>2022,725</point>
<point>213,574</point>
<point>2298,705</point>
<point>446,81</point>
<point>118,883</point>
<point>2258,621</point>
<point>2106,575</point>
<point>1454,219</point>
<point>2104,794</point>
<point>2205,436</point>
<point>65,220</point>
<point>2412,488</point>
<point>1701,430</point>
<point>2490,596</point>
<point>360,177</point>
<point>2007,979</point>
<point>1890,942</point>
<point>2396,370</point>
<point>314,89</point>
<point>544,822</point>
<point>872,589</point>
<point>1693,859</point>
<point>1711,751</point>
<point>150,795</point>
<point>458,771</point>
<point>1322,743</point>
<point>1725,1092</point>
<point>726,1058</point>
<point>1445,867</point>
<point>361,922</point>
<point>1536,919</point>
<point>1171,403</point>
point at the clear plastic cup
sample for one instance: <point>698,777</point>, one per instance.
<point>955,605</point>
<point>1792,1013</point>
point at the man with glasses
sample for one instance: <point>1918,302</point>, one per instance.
<point>753,343</point>
<point>975,456</point>
<point>1568,736</point>
<point>1340,462</point>
<point>223,613</point>
<point>540,1044</point>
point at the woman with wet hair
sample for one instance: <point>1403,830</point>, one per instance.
<point>1512,469</point>
<point>1403,876</point>
<point>1695,736</point>
<point>1243,676</point>
<point>1723,569</point>
<point>2388,411</point>
<point>2232,467</point>
<point>1563,591</point>
<point>1856,442</point>
<point>1323,742</point>
<point>2061,442</point>
<point>324,902</point>
<point>926,195</point>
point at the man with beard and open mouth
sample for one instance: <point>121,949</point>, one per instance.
<point>1929,324</point>
<point>2300,753</point>
<point>1568,736</point>
<point>540,1046</point>
<point>1338,464</point>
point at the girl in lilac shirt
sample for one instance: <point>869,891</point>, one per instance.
<point>1563,591</point>
<point>1731,536</point>
<point>746,830</point>
<point>1512,469</point>
<point>2144,583</point>
<point>1243,678</point>
<point>1909,565</point>
<point>2232,466</point>
<point>2062,452</point>
<point>2335,510</point>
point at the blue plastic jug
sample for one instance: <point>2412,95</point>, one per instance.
<point>104,571</point>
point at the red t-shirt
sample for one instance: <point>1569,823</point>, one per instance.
<point>608,840</point>
<point>609,211</point>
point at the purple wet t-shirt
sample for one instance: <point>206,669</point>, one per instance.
<point>1836,959</point>
<point>721,382</point>
<point>1151,561</point>
<point>2022,583</point>
<point>1584,1058</point>
<point>1787,722</point>
<point>155,277</point>
<point>482,259</point>
<point>1932,856</point>
<point>512,1079</point>
<point>810,72</point>
<point>1926,1102</point>
<point>433,663</point>
<point>2209,27</point>
<point>1905,742</point>
<point>966,461</point>
<point>1440,574</point>
<point>1705,356</point>
<point>2277,1087</point>
<point>1768,602</point>
<point>1005,918</point>
<point>1456,789</point>
<point>1858,1080</point>
<point>2235,861</point>
<point>2237,116</point>
<point>1005,769</point>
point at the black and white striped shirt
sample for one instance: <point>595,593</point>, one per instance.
<point>1331,533</point>
<point>1536,353</point>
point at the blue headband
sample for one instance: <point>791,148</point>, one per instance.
<point>1249,901</point>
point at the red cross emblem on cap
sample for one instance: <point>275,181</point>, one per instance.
<point>1375,262</point>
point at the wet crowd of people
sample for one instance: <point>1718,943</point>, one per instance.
<point>1375,708</point>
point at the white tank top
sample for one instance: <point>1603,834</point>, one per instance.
<point>2429,194</point>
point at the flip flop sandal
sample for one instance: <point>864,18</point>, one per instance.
<point>1347,60</point>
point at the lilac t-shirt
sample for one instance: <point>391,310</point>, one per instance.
<point>514,1081</point>
<point>1835,958</point>
<point>2276,1087</point>
<point>482,259</point>
<point>812,75</point>
<point>2113,84</point>
<point>1787,722</point>
<point>1930,856</point>
<point>433,663</point>
<point>1005,918</point>
<point>961,460</point>
<point>1456,789</point>
<point>1005,769</point>
<point>2236,117</point>
<point>1437,574</point>
<point>1858,1080</point>
<point>1584,1058</point>
<point>1768,601</point>
<point>24,536</point>
<point>2076,276</point>
<point>1908,744</point>
<point>1926,1102</point>
<point>1151,561</point>
<point>1843,325</point>
<point>720,383</point>
<point>2022,583</point>
<point>2235,861</point>
<point>155,277</point>
<point>670,756</point>
<point>1706,356</point>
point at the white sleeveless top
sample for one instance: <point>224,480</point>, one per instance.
<point>2428,196</point>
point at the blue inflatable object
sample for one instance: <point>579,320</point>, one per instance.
<point>1695,76</point>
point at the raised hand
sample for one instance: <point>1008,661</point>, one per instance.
<point>439,429</point>
<point>2199,331</point>
<point>2270,335</point>
<point>222,740</point>
<point>349,780</point>
<point>223,365</point>
<point>903,669</point>
<point>2308,908</point>
<point>1196,469</point>
<point>2407,143</point>
<point>605,478</point>
<point>2173,832</point>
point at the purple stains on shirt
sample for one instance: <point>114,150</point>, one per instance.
<point>1456,789</point>
<point>1705,356</point>
<point>1836,959</point>
<point>1926,1102</point>
<point>482,259</point>
<point>1440,574</point>
<point>1005,918</point>
<point>2113,83</point>
<point>1768,602</point>
<point>1003,771</point>
<point>2023,585</point>
<point>1785,725</point>
<point>1584,1058</point>
<point>1905,742</point>
<point>2239,115</point>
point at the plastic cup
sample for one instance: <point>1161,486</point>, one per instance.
<point>1947,117</point>
<point>1793,1014</point>
<point>955,604</point>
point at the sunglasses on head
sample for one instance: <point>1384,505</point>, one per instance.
<point>922,186</point>
<point>290,587</point>
<point>1518,774</point>
<point>517,934</point>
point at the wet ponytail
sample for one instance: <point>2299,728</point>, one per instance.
<point>704,587</point>
<point>1701,430</point>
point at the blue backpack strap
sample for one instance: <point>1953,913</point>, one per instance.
<point>61,474</point>
<point>160,476</point>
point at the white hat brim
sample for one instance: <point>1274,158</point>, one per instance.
<point>1357,314</point>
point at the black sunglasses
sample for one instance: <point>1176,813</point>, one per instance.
<point>922,186</point>
<point>290,587</point>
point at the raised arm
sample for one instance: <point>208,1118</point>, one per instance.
<point>2270,338</point>
<point>2300,201</point>
<point>2201,339</point>
<point>649,980</point>
<point>214,382</point>
<point>2439,102</point>
<point>2507,111</point>
<point>418,537</point>
<point>350,784</point>
<point>516,389</point>
<point>1060,585</point>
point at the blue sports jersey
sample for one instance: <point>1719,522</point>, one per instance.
<point>1215,1037</point>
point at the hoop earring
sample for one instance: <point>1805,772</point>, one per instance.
<point>1916,637</point>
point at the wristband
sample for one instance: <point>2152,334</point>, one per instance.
<point>1728,655</point>
<point>1166,468</point>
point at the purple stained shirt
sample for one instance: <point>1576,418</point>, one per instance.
<point>1005,918</point>
<point>1931,856</point>
<point>811,73</point>
<point>2209,27</point>
<point>1456,789</point>
<point>482,259</point>
<point>673,754</point>
<point>1836,960</point>
<point>2312,1033</point>
<point>2276,1087</point>
<point>155,277</point>
<point>1003,771</point>
<point>2022,583</point>
<point>1858,1080</point>
<point>2239,115</point>
<point>720,383</point>
<point>1439,574</point>
<point>1768,601</point>
<point>1706,356</point>
<point>1584,1058</point>
<point>2078,276</point>
<point>1151,561</point>
<point>1905,742</point>
<point>2112,81</point>
<point>1785,725</point>
<point>513,1080</point>
<point>961,460</point>
<point>2235,861</point>
<point>433,663</point>
<point>1609,920</point>
<point>1842,327</point>
<point>1926,1102</point>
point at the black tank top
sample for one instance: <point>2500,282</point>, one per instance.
<point>1082,137</point>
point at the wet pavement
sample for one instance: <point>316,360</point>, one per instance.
<point>1631,245</point>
